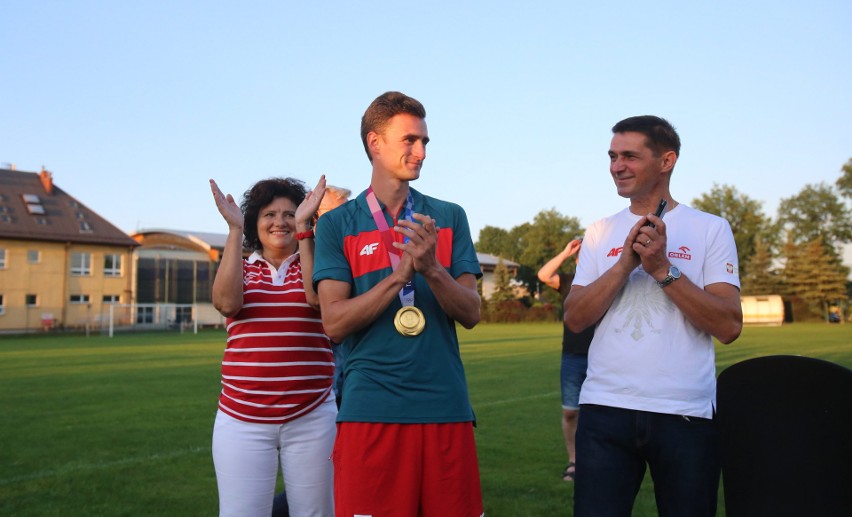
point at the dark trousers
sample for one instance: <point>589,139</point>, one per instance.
<point>613,447</point>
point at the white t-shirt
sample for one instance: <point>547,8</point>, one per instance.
<point>645,355</point>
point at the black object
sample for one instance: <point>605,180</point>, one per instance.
<point>279,505</point>
<point>785,425</point>
<point>658,213</point>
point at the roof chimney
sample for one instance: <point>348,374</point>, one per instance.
<point>46,178</point>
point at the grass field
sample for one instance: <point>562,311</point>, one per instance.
<point>122,426</point>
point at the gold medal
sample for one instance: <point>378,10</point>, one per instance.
<point>409,321</point>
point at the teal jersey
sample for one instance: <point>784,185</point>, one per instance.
<point>388,377</point>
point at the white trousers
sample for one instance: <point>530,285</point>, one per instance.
<point>246,457</point>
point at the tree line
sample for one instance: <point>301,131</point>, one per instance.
<point>797,253</point>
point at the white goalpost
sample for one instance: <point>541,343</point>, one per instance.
<point>152,316</point>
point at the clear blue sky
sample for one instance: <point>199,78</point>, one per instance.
<point>134,105</point>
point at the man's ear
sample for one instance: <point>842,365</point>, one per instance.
<point>668,159</point>
<point>373,143</point>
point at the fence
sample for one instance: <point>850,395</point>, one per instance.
<point>156,316</point>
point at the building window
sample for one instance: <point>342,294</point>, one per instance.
<point>2,258</point>
<point>144,315</point>
<point>85,227</point>
<point>33,256</point>
<point>183,314</point>
<point>112,264</point>
<point>81,264</point>
<point>167,280</point>
<point>111,298</point>
<point>33,204</point>
<point>32,300</point>
<point>204,276</point>
<point>2,306</point>
<point>79,298</point>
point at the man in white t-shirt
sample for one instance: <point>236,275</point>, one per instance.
<point>659,289</point>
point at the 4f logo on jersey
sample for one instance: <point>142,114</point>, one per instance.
<point>369,249</point>
<point>614,252</point>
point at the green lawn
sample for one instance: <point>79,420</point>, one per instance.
<point>122,426</point>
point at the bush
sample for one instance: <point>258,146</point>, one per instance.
<point>515,311</point>
<point>544,312</point>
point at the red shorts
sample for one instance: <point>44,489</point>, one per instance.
<point>388,470</point>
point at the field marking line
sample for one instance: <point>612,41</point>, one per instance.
<point>516,399</point>
<point>75,467</point>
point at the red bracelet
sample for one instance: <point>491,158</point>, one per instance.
<point>305,235</point>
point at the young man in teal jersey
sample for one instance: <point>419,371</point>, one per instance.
<point>396,270</point>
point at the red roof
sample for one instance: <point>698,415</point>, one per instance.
<point>33,208</point>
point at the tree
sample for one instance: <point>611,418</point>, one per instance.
<point>503,291</point>
<point>496,241</point>
<point>816,213</point>
<point>530,244</point>
<point>844,183</point>
<point>503,305</point>
<point>760,276</point>
<point>815,275</point>
<point>548,234</point>
<point>541,240</point>
<point>745,216</point>
<point>516,241</point>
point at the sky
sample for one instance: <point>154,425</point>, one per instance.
<point>133,106</point>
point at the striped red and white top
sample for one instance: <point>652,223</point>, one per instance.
<point>278,364</point>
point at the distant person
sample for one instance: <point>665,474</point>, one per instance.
<point>659,293</point>
<point>575,350</point>
<point>277,403</point>
<point>334,197</point>
<point>395,271</point>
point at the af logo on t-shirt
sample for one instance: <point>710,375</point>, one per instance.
<point>366,252</point>
<point>368,249</point>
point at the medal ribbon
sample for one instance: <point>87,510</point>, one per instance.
<point>406,294</point>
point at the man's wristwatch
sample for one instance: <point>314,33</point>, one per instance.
<point>674,274</point>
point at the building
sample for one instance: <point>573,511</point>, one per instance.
<point>174,271</point>
<point>61,264</point>
<point>488,263</point>
<point>763,310</point>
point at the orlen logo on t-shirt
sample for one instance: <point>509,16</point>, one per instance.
<point>614,252</point>
<point>369,249</point>
<point>682,254</point>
